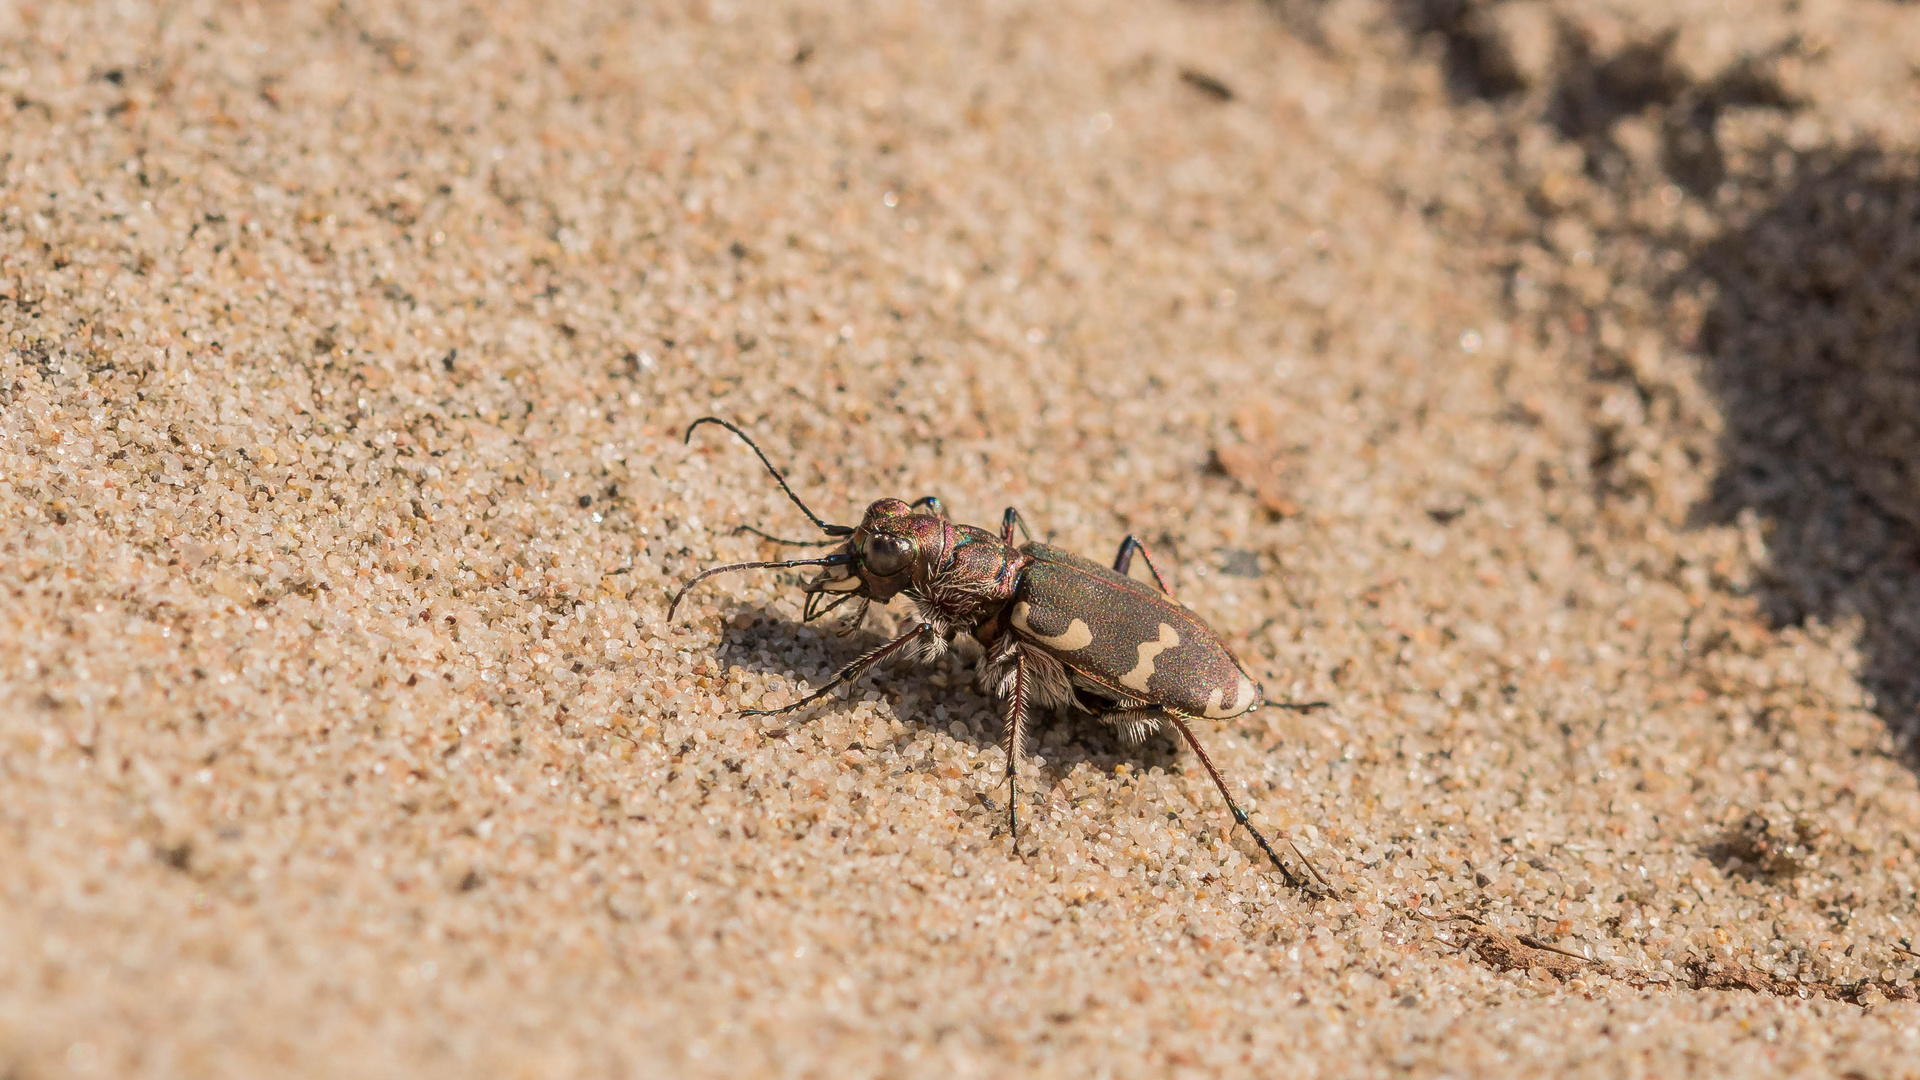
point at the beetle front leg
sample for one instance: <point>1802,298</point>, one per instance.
<point>931,502</point>
<point>852,671</point>
<point>1124,559</point>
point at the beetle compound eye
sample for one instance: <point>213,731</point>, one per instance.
<point>887,555</point>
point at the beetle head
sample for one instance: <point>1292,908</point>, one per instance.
<point>885,555</point>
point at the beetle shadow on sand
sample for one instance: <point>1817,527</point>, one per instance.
<point>1812,341</point>
<point>1063,741</point>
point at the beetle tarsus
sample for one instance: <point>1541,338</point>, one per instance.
<point>1311,881</point>
<point>1013,813</point>
<point>818,604</point>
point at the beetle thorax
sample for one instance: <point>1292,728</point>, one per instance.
<point>956,576</point>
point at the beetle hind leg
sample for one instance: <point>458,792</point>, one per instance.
<point>1123,560</point>
<point>1309,880</point>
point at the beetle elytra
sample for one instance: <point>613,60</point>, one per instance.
<point>1060,632</point>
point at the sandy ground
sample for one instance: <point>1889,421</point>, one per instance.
<point>1537,386</point>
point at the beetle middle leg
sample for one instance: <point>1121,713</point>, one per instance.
<point>1124,559</point>
<point>1014,736</point>
<point>854,670</point>
<point>1022,679</point>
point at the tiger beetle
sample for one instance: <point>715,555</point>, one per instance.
<point>1059,632</point>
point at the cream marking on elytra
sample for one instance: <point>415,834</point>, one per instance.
<point>1242,701</point>
<point>1142,671</point>
<point>1076,636</point>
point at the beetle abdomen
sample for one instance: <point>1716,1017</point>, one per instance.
<point>1127,637</point>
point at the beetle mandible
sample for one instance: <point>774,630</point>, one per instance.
<point>1059,632</point>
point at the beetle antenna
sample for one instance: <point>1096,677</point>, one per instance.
<point>839,558</point>
<point>830,530</point>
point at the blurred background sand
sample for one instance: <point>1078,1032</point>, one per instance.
<point>1535,382</point>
